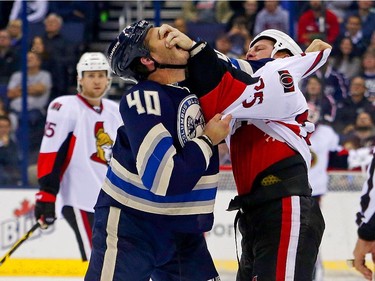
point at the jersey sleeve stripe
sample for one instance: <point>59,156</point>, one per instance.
<point>315,64</point>
<point>69,155</point>
<point>207,151</point>
<point>45,161</point>
<point>148,146</point>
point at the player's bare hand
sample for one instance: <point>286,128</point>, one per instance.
<point>218,128</point>
<point>174,37</point>
<point>362,248</point>
<point>317,45</point>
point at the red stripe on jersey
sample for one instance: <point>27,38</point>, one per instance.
<point>227,91</point>
<point>87,225</point>
<point>317,60</point>
<point>68,157</point>
<point>294,128</point>
<point>286,226</point>
<point>252,151</point>
<point>45,163</point>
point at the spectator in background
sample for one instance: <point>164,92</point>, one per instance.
<point>10,61</point>
<point>366,13</point>
<point>36,10</point>
<point>38,92</point>
<point>61,56</point>
<point>334,83</point>
<point>224,45</point>
<point>14,28</point>
<point>345,60</point>
<point>368,73</point>
<point>246,14</point>
<point>3,107</point>
<point>180,24</point>
<point>323,104</point>
<point>210,11</point>
<point>272,16</point>
<point>353,105</point>
<point>353,30</point>
<point>317,22</point>
<point>361,134</point>
<point>37,46</point>
<point>339,8</point>
<point>9,155</point>
<point>83,12</point>
<point>238,36</point>
<point>372,41</point>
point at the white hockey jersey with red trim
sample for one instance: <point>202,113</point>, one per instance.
<point>76,149</point>
<point>276,109</point>
<point>268,108</point>
<point>323,140</point>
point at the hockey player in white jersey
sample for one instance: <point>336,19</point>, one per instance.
<point>76,148</point>
<point>281,225</point>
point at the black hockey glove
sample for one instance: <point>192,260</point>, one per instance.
<point>45,208</point>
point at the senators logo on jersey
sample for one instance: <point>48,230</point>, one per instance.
<point>104,145</point>
<point>286,81</point>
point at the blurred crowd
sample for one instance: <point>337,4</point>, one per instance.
<point>342,93</point>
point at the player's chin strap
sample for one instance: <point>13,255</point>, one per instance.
<point>164,66</point>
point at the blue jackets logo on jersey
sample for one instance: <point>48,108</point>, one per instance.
<point>191,121</point>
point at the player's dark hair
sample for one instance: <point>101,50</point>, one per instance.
<point>139,68</point>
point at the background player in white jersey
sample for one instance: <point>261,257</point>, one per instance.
<point>366,224</point>
<point>76,149</point>
<point>323,140</point>
<point>281,225</point>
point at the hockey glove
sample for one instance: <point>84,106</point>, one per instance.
<point>45,208</point>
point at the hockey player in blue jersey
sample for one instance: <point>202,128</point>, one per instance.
<point>158,196</point>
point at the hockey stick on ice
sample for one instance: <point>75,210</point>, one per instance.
<point>19,242</point>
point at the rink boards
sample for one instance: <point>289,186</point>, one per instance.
<point>54,252</point>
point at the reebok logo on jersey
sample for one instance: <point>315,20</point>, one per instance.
<point>286,81</point>
<point>56,106</point>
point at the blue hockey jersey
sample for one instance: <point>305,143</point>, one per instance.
<point>160,169</point>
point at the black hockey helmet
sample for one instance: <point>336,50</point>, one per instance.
<point>128,46</point>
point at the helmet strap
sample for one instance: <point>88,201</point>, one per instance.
<point>163,66</point>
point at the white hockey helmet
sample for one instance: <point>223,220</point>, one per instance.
<point>93,61</point>
<point>282,41</point>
